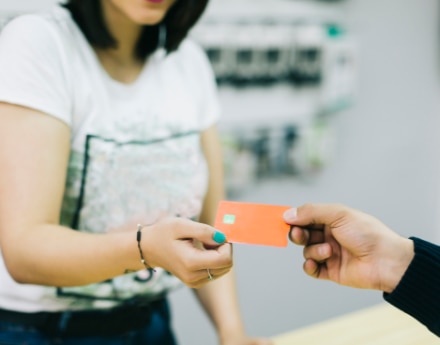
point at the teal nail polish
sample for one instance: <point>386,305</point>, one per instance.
<point>219,237</point>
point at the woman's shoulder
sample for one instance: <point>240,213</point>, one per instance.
<point>192,55</point>
<point>191,49</point>
<point>38,27</point>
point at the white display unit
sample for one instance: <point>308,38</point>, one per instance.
<point>260,27</point>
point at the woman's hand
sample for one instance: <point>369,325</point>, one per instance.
<point>187,249</point>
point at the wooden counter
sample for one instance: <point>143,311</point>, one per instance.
<point>378,325</point>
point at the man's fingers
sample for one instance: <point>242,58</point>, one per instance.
<point>318,252</point>
<point>299,236</point>
<point>311,268</point>
<point>315,270</point>
<point>306,236</point>
<point>315,214</point>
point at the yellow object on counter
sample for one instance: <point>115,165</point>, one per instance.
<point>378,325</point>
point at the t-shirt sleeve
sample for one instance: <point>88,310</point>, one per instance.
<point>417,292</point>
<point>209,104</point>
<point>31,67</point>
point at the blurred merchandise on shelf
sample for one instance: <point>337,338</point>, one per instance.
<point>240,163</point>
<point>282,67</point>
<point>339,70</point>
<point>276,152</point>
<point>256,43</point>
<point>308,55</point>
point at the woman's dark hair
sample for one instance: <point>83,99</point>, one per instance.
<point>180,18</point>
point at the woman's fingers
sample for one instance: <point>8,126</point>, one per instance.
<point>205,276</point>
<point>216,258</point>
<point>204,233</point>
<point>197,260</point>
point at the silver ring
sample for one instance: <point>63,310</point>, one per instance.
<point>210,277</point>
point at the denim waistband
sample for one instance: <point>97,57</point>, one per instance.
<point>107,322</point>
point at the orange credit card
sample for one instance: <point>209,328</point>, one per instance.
<point>251,223</point>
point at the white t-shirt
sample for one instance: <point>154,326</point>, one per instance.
<point>135,149</point>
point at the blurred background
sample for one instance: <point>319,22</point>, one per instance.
<point>323,101</point>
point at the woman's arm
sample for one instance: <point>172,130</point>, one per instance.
<point>219,298</point>
<point>34,154</point>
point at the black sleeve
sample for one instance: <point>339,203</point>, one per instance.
<point>418,293</point>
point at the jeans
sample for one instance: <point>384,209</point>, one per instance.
<point>157,332</point>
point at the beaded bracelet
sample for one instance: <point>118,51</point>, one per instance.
<point>138,238</point>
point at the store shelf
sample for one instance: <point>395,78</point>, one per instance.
<point>251,108</point>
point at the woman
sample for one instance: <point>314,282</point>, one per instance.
<point>107,120</point>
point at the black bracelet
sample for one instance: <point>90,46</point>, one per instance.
<point>138,238</point>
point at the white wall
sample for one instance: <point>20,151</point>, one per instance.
<point>24,5</point>
<point>395,126</point>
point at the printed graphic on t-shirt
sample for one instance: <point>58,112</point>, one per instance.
<point>113,183</point>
